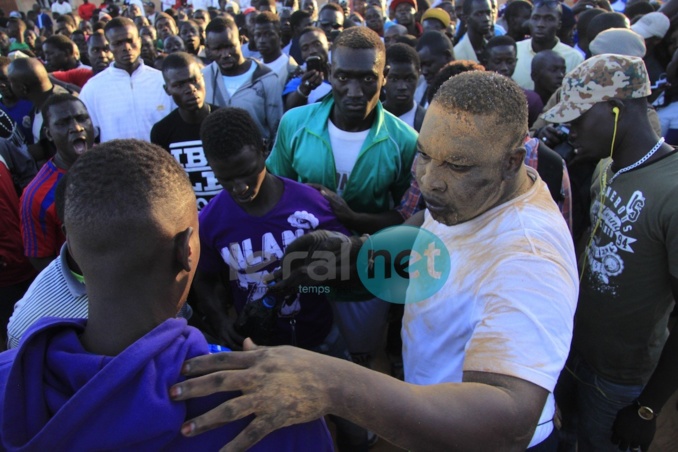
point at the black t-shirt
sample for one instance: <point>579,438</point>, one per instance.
<point>182,140</point>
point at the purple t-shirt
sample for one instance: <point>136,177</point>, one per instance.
<point>230,237</point>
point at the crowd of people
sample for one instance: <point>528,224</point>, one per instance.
<point>164,166</point>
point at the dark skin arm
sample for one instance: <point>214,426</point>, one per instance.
<point>485,412</point>
<point>309,81</point>
<point>629,428</point>
<point>364,223</point>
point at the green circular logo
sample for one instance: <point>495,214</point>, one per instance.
<point>403,264</point>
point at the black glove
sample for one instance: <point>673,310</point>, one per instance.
<point>630,431</point>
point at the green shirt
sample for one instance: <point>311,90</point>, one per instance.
<point>381,174</point>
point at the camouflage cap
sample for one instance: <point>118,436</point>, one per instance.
<point>602,77</point>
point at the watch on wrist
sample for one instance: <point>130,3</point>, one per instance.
<point>645,412</point>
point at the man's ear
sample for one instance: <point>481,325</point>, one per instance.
<point>513,162</point>
<point>165,88</point>
<point>182,249</point>
<point>48,134</point>
<point>386,69</point>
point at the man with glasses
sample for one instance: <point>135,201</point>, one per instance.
<point>544,23</point>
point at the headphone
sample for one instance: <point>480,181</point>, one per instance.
<point>601,201</point>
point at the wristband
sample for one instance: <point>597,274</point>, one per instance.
<point>305,96</point>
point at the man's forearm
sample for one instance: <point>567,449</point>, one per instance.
<point>294,99</point>
<point>466,416</point>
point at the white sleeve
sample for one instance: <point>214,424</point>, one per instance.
<point>525,319</point>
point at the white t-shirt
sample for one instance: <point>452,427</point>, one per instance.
<point>508,304</point>
<point>234,82</point>
<point>408,116</point>
<point>62,8</point>
<point>345,147</point>
<point>279,64</point>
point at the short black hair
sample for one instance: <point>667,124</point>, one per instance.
<point>122,182</point>
<point>62,43</point>
<point>402,53</point>
<point>490,95</point>
<point>311,30</point>
<point>604,22</point>
<point>468,5</point>
<point>119,22</point>
<point>297,17</point>
<point>584,19</point>
<point>361,38</point>
<point>268,17</point>
<point>515,7</point>
<point>436,41</point>
<point>220,25</point>
<point>178,60</point>
<point>333,6</point>
<point>451,69</point>
<point>227,131</point>
<point>638,9</point>
<point>56,99</point>
<point>19,22</point>
<point>66,18</point>
<point>549,4</point>
<point>500,41</point>
<point>408,40</point>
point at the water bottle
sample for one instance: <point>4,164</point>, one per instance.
<point>258,318</point>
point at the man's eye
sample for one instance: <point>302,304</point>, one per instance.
<point>455,167</point>
<point>423,157</point>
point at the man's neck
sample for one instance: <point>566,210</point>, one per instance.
<point>352,126</point>
<point>634,146</point>
<point>538,46</point>
<point>271,58</point>
<point>268,197</point>
<point>61,163</point>
<point>195,116</point>
<point>477,40</point>
<point>110,327</point>
<point>243,67</point>
<point>399,108</point>
<point>72,64</point>
<point>129,68</point>
<point>543,93</point>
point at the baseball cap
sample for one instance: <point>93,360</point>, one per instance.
<point>15,14</point>
<point>395,3</point>
<point>619,41</point>
<point>652,25</point>
<point>598,79</point>
<point>438,14</point>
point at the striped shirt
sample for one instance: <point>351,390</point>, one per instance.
<point>40,227</point>
<point>54,293</point>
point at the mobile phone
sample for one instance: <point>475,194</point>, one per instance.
<point>314,63</point>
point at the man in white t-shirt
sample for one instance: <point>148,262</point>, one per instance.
<point>232,80</point>
<point>482,355</point>
<point>268,41</point>
<point>61,7</point>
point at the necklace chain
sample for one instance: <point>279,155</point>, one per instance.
<point>637,164</point>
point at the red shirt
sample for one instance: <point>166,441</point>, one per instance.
<point>40,227</point>
<point>86,10</point>
<point>14,266</point>
<point>77,76</point>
